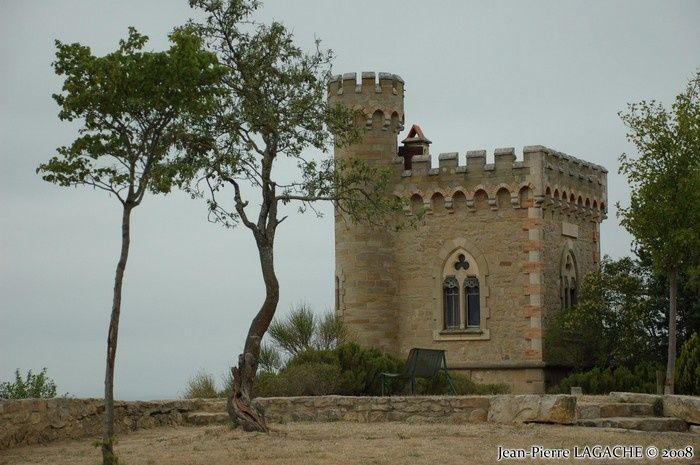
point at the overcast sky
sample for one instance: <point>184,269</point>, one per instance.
<point>479,75</point>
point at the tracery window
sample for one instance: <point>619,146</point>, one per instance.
<point>450,299</point>
<point>461,296</point>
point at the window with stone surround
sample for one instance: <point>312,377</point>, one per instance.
<point>569,280</point>
<point>461,300</point>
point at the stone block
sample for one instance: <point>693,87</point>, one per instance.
<point>533,408</point>
<point>586,410</point>
<point>684,407</point>
<point>478,415</point>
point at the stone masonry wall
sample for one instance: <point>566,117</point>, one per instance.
<point>513,219</point>
<point>33,421</point>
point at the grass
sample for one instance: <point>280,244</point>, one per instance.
<point>340,442</point>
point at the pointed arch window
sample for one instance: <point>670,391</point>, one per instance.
<point>461,296</point>
<point>450,299</point>
<point>472,300</point>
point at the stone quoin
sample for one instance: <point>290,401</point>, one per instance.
<point>499,247</point>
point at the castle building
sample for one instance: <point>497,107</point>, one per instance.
<point>499,247</point>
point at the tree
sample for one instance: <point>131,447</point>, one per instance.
<point>134,107</point>
<point>688,374</point>
<point>614,324</point>
<point>275,109</point>
<point>664,211</point>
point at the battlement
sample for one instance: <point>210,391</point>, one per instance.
<point>551,178</point>
<point>504,159</point>
<point>370,81</point>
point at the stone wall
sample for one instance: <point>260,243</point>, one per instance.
<point>33,421</point>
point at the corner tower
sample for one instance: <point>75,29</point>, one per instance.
<point>364,259</point>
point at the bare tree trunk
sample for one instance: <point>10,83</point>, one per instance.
<point>671,362</point>
<point>239,405</point>
<point>108,457</point>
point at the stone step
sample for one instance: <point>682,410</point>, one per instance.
<point>626,409</point>
<point>636,423</point>
<point>206,418</point>
<point>589,410</point>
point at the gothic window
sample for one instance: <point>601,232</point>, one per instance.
<point>450,298</point>
<point>473,306</point>
<point>461,296</point>
<point>569,295</point>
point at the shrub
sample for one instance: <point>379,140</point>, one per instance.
<point>32,386</point>
<point>201,386</point>
<point>311,379</point>
<point>301,330</point>
<point>603,381</point>
<point>361,367</point>
<point>687,378</point>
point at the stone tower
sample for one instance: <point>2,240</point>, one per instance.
<point>500,247</point>
<point>365,287</point>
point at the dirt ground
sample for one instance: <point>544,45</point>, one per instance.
<point>347,443</point>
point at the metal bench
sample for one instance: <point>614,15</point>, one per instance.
<point>421,363</point>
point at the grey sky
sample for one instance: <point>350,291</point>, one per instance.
<point>479,75</point>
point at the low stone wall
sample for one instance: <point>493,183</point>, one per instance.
<point>33,421</point>
<point>419,409</point>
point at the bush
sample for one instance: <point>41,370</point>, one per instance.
<point>312,379</point>
<point>352,370</point>
<point>687,378</point>
<point>201,386</point>
<point>32,386</point>
<point>603,381</point>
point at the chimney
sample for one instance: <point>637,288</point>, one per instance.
<point>414,144</point>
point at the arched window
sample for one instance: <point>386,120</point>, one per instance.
<point>461,297</point>
<point>569,278</point>
<point>471,297</point>
<point>450,299</point>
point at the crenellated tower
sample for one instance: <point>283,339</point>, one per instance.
<point>365,283</point>
<point>501,245</point>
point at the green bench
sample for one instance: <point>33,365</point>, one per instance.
<point>421,363</point>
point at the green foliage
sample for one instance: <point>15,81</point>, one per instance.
<point>664,210</point>
<point>135,108</point>
<point>302,330</point>
<point>201,386</point>
<point>615,323</point>
<point>352,370</point>
<point>275,107</point>
<point>604,381</point>
<point>330,332</point>
<point>269,359</point>
<point>688,367</point>
<point>31,386</point>
<point>310,379</point>
<point>296,332</point>
<point>360,369</point>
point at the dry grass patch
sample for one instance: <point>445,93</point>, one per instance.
<point>339,443</point>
